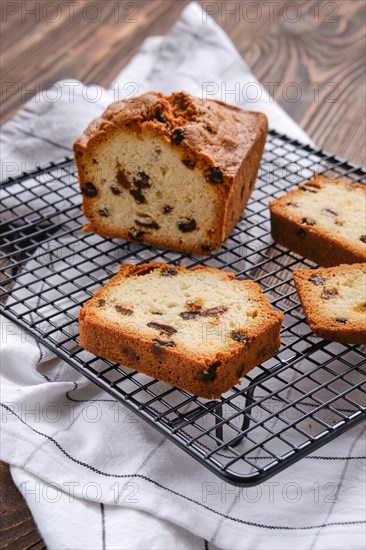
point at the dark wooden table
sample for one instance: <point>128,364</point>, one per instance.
<point>318,45</point>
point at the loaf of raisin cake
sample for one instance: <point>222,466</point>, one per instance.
<point>334,301</point>
<point>198,329</point>
<point>172,171</point>
<point>323,220</point>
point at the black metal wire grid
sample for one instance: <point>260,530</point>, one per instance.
<point>310,392</point>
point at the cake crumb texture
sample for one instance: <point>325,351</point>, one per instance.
<point>198,329</point>
<point>172,171</point>
<point>334,301</point>
<point>323,220</point>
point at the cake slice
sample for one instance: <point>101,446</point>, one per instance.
<point>198,329</point>
<point>172,171</point>
<point>334,301</point>
<point>323,220</point>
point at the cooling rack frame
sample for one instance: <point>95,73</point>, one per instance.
<point>310,378</point>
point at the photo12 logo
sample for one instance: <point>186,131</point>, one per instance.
<point>68,412</point>
<point>270,10</point>
<point>35,491</point>
<point>69,11</point>
<point>271,492</point>
<point>252,92</point>
<point>67,90</point>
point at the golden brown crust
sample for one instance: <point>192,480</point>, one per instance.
<point>199,374</point>
<point>309,243</point>
<point>246,177</point>
<point>322,247</point>
<point>349,328</point>
<point>216,135</point>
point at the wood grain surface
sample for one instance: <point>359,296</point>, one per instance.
<point>310,55</point>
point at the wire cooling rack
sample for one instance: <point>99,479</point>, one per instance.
<point>310,392</point>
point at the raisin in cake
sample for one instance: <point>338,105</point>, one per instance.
<point>173,171</point>
<point>323,220</point>
<point>334,301</point>
<point>198,329</point>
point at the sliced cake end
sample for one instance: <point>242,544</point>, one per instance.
<point>334,301</point>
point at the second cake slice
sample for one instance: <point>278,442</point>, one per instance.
<point>199,329</point>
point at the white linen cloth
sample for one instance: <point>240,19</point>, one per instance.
<point>95,475</point>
